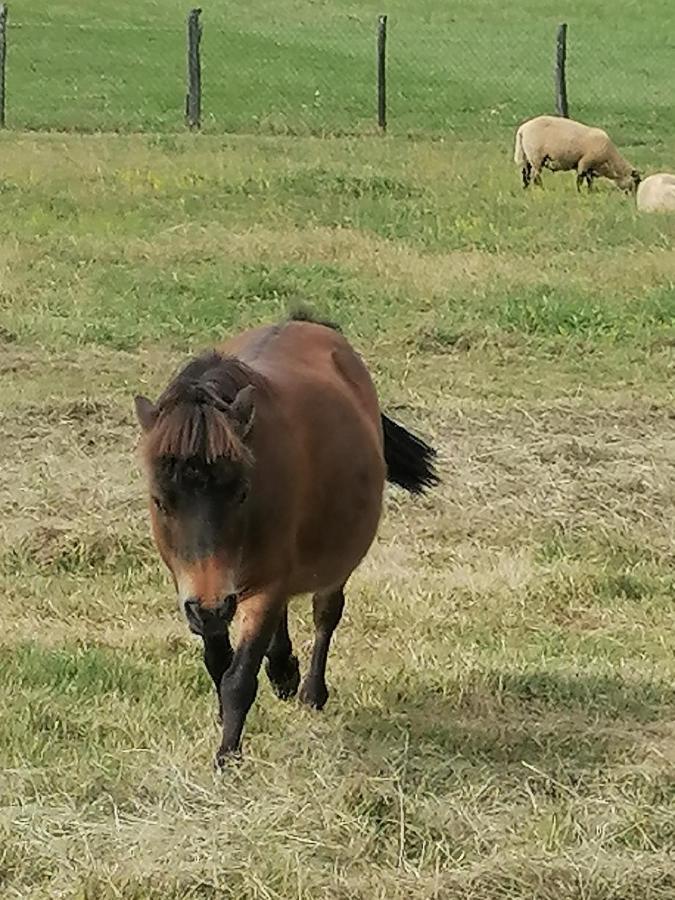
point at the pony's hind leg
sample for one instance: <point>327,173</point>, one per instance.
<point>217,659</point>
<point>282,666</point>
<point>327,608</point>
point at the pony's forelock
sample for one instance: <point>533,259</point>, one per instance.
<point>194,423</point>
<point>196,432</point>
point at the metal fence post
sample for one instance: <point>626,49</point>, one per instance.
<point>3,60</point>
<point>560,78</point>
<point>382,72</point>
<point>193,100</point>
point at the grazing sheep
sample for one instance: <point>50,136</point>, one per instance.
<point>657,193</point>
<point>562,145</point>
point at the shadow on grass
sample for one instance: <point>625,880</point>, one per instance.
<point>535,718</point>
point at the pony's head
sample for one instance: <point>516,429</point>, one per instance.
<point>198,466</point>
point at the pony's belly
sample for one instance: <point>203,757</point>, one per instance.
<point>333,543</point>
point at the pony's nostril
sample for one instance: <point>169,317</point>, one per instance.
<point>193,615</point>
<point>202,619</point>
<point>227,607</point>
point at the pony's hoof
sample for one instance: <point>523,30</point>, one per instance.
<point>225,759</point>
<point>285,684</point>
<point>287,690</point>
<point>314,696</point>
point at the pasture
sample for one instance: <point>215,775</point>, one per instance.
<point>502,717</point>
<point>308,66</point>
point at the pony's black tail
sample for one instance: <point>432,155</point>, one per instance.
<point>410,461</point>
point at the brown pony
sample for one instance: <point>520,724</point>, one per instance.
<point>266,461</point>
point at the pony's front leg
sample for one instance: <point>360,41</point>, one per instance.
<point>217,659</point>
<point>259,617</point>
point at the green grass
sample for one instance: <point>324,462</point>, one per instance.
<point>298,67</point>
<point>501,718</point>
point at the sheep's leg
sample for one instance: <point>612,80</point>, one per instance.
<point>585,171</point>
<point>526,172</point>
<point>587,176</point>
<point>535,164</point>
<point>535,172</point>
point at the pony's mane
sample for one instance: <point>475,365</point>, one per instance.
<point>302,314</point>
<point>193,421</point>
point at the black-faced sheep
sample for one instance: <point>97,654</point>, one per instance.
<point>561,145</point>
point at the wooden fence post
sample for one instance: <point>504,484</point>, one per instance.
<point>382,72</point>
<point>560,78</point>
<point>193,100</point>
<point>3,60</point>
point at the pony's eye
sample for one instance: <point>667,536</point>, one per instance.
<point>159,506</point>
<point>240,492</point>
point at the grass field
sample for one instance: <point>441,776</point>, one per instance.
<point>308,66</point>
<point>502,719</point>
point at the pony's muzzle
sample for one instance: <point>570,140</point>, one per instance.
<point>212,620</point>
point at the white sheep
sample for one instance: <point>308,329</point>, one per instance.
<point>561,145</point>
<point>657,193</point>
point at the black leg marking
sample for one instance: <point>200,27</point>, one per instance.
<point>217,659</point>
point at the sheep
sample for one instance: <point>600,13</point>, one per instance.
<point>562,145</point>
<point>657,193</point>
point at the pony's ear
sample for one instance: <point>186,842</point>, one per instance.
<point>243,410</point>
<point>146,412</point>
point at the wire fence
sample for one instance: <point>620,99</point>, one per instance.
<point>318,75</point>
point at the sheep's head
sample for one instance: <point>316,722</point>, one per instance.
<point>629,183</point>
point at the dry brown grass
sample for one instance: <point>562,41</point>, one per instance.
<point>493,772</point>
